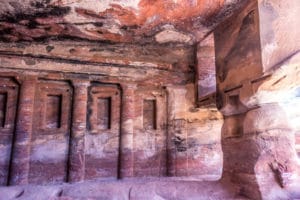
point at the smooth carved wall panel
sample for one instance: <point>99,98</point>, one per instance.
<point>8,105</point>
<point>103,112</point>
<point>150,135</point>
<point>53,111</point>
<point>102,139</point>
<point>149,114</point>
<point>51,132</point>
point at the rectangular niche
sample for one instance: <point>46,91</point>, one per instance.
<point>103,131</point>
<point>104,113</point>
<point>53,111</point>
<point>149,114</point>
<point>51,127</point>
<point>3,103</point>
<point>103,108</point>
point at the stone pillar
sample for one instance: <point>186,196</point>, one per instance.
<point>127,126</point>
<point>77,148</point>
<point>258,67</point>
<point>177,132</point>
<point>20,164</point>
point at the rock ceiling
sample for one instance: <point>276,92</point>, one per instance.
<point>113,21</point>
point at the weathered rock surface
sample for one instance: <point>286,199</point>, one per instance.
<point>109,90</point>
<point>258,83</point>
<point>124,190</point>
<point>115,21</point>
<point>206,71</point>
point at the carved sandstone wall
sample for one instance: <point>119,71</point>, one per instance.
<point>101,121</point>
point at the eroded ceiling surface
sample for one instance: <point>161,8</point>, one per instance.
<point>134,21</point>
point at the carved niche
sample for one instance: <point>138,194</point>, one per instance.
<point>9,90</point>
<point>102,139</point>
<point>150,132</point>
<point>51,132</point>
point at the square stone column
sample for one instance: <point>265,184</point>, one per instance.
<point>127,128</point>
<point>20,164</point>
<point>77,140</point>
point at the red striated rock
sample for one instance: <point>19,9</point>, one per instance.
<point>119,107</point>
<point>116,21</point>
<point>104,117</point>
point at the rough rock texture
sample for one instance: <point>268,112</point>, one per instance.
<point>97,91</point>
<point>134,189</point>
<point>140,21</point>
<point>148,56</point>
<point>258,84</point>
<point>192,141</point>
